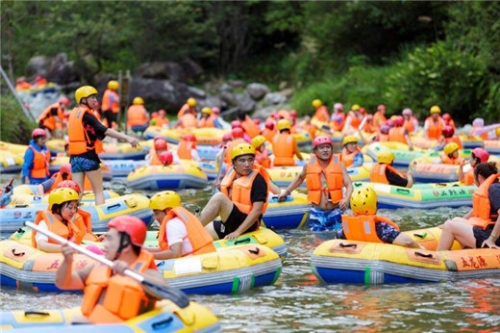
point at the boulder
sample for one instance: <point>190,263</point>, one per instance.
<point>264,112</point>
<point>274,99</point>
<point>245,103</point>
<point>61,70</point>
<point>257,91</point>
<point>161,70</point>
<point>191,67</point>
<point>37,66</point>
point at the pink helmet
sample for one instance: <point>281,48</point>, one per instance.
<point>478,122</point>
<point>256,121</point>
<point>482,154</point>
<point>227,137</point>
<point>448,131</point>
<point>369,117</point>
<point>236,124</point>
<point>362,110</point>
<point>322,139</point>
<point>70,184</point>
<point>64,100</point>
<point>166,158</point>
<point>399,121</point>
<point>269,124</point>
<point>154,114</point>
<point>215,110</point>
<point>189,137</point>
<point>446,117</point>
<point>390,123</point>
<point>237,132</point>
<point>38,132</point>
<point>407,112</point>
<point>338,106</point>
<point>380,107</point>
<point>384,129</point>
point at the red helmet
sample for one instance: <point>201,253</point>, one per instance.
<point>161,144</point>
<point>189,138</point>
<point>132,226</point>
<point>384,129</point>
<point>319,140</point>
<point>166,158</point>
<point>64,100</point>
<point>362,110</point>
<point>65,168</point>
<point>38,132</point>
<point>236,124</point>
<point>256,121</point>
<point>380,107</point>
<point>237,133</point>
<point>269,124</point>
<point>227,137</point>
<point>70,184</point>
<point>294,114</point>
<point>446,117</point>
<point>215,110</point>
<point>154,114</point>
<point>399,121</point>
<point>482,154</point>
<point>448,131</point>
<point>162,113</point>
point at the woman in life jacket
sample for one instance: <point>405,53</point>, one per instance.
<point>477,156</point>
<point>365,225</point>
<point>450,154</point>
<point>36,159</point>
<point>351,154</point>
<point>261,151</point>
<point>384,173</point>
<point>480,227</point>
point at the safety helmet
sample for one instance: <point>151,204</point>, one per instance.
<point>166,158</point>
<point>242,149</point>
<point>227,137</point>
<point>284,124</point>
<point>482,154</point>
<point>338,106</point>
<point>132,226</point>
<point>384,129</point>
<point>70,184</point>
<point>113,85</point>
<point>497,131</point>
<point>269,124</point>
<point>162,113</point>
<point>369,117</point>
<point>322,139</point>
<point>64,100</point>
<point>435,109</point>
<point>407,112</point>
<point>450,148</point>
<point>448,131</point>
<point>215,110</point>
<point>446,117</point>
<point>390,123</point>
<point>206,110</point>
<point>364,201</point>
<point>479,122</point>
<point>189,137</point>
<point>165,199</point>
<point>236,124</point>
<point>349,139</point>
<point>138,101</point>
<point>38,132</point>
<point>258,141</point>
<point>399,121</point>
<point>65,168</point>
<point>62,195</point>
<point>386,157</point>
<point>160,144</point>
<point>84,92</point>
<point>256,121</point>
<point>362,110</point>
<point>317,103</point>
<point>294,114</point>
<point>237,132</point>
<point>355,107</point>
<point>191,102</point>
<point>380,107</point>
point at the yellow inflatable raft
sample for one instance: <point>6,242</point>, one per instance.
<point>174,176</point>
<point>10,162</point>
<point>204,136</point>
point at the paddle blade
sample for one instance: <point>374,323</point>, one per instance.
<point>170,293</point>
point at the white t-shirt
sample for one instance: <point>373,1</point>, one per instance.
<point>39,237</point>
<point>176,233</point>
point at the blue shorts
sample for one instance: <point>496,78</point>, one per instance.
<point>321,220</point>
<point>82,164</point>
<point>139,128</point>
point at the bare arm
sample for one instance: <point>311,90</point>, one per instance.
<point>344,203</point>
<point>65,277</point>
<point>296,150</point>
<point>45,246</point>
<point>490,241</point>
<point>409,174</point>
<point>294,184</point>
<point>117,135</point>
<point>174,251</point>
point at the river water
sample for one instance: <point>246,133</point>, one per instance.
<point>299,303</point>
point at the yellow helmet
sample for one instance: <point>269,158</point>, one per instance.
<point>386,157</point>
<point>355,107</point>
<point>62,195</point>
<point>84,92</point>
<point>242,149</point>
<point>165,199</point>
<point>258,141</point>
<point>284,124</point>
<point>435,109</point>
<point>113,85</point>
<point>349,139</point>
<point>364,201</point>
<point>138,101</point>
<point>497,131</point>
<point>23,189</point>
<point>191,102</point>
<point>317,103</point>
<point>450,148</point>
<point>206,110</point>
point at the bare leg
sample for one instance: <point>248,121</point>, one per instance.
<point>456,229</point>
<point>406,241</point>
<point>211,230</point>
<point>78,178</point>
<point>219,205</point>
<point>95,178</point>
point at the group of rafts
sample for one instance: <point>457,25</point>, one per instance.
<point>254,259</point>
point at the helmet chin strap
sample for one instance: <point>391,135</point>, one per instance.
<point>124,242</point>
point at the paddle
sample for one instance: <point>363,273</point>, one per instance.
<point>164,292</point>
<point>8,187</point>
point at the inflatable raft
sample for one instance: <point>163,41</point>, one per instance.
<point>204,136</point>
<point>174,176</point>
<point>167,317</point>
<point>422,196</point>
<point>492,146</point>
<point>25,195</point>
<point>356,262</point>
<point>10,162</point>
<point>122,151</point>
<point>291,213</point>
<point>13,218</point>
<point>402,155</point>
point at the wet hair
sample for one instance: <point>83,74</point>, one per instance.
<point>242,116</point>
<point>485,170</point>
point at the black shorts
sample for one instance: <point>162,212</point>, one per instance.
<point>234,220</point>
<point>481,235</point>
<point>110,117</point>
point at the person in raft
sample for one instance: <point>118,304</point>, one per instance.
<point>108,295</point>
<point>181,233</point>
<point>366,226</point>
<point>325,176</point>
<point>384,173</point>
<point>243,197</point>
<point>477,156</point>
<point>36,159</point>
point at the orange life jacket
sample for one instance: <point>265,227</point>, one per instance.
<point>445,159</point>
<point>206,122</point>
<point>154,159</point>
<point>481,207</point>
<point>397,134</point>
<point>69,231</point>
<point>161,122</point>
<point>435,128</point>
<point>184,150</point>
<point>283,149</point>
<point>229,147</point>
<point>348,158</point>
<point>58,178</point>
<point>321,114</point>
<point>124,298</point>
<point>83,221</point>
<point>355,121</point>
<point>239,189</point>
<point>40,164</point>
<point>362,227</point>
<point>23,86</point>
<point>79,141</point>
<point>250,128</point>
<point>47,118</point>
<point>263,158</point>
<point>268,134</point>
<point>309,128</point>
<point>183,110</point>
<point>379,118</point>
<point>198,236</point>
<point>455,139</point>
<point>409,125</point>
<point>338,125</point>
<point>377,174</point>
<point>187,121</point>
<point>382,137</point>
<point>136,115</point>
<point>334,179</point>
<point>106,106</point>
<point>469,177</point>
<point>369,128</point>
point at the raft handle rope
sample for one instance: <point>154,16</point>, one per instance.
<point>19,254</point>
<point>342,245</point>
<point>36,313</point>
<point>423,255</point>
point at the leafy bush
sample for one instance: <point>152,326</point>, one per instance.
<point>14,126</point>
